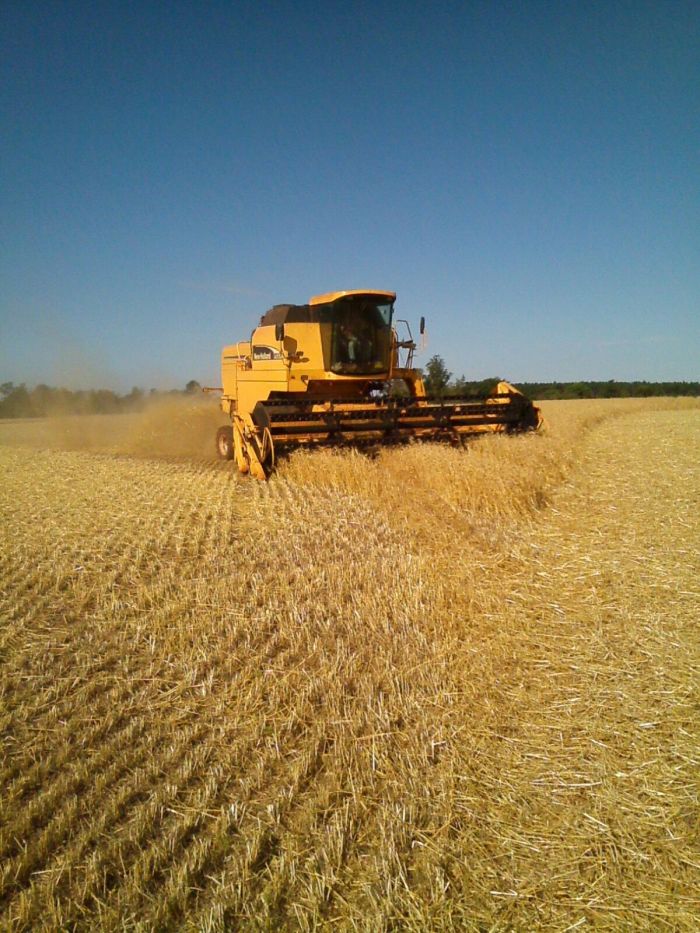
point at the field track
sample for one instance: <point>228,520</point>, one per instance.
<point>440,690</point>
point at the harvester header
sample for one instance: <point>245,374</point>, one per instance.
<point>335,371</point>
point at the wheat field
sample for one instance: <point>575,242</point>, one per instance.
<point>434,689</point>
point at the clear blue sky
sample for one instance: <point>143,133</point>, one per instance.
<point>526,175</point>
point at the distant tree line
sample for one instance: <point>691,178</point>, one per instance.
<point>438,381</point>
<point>17,401</point>
<point>609,389</point>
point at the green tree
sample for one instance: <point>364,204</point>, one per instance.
<point>16,403</point>
<point>437,376</point>
<point>192,387</point>
<point>134,400</point>
<point>485,386</point>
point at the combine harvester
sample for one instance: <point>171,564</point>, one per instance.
<point>334,372</point>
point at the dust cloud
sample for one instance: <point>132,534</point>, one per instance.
<point>172,427</point>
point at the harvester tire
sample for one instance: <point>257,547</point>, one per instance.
<point>268,452</point>
<point>224,443</point>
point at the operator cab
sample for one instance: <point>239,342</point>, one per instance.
<point>360,330</point>
<point>353,329</point>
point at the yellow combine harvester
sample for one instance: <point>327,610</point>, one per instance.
<point>335,371</point>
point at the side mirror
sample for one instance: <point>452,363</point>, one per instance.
<point>422,325</point>
<point>279,332</point>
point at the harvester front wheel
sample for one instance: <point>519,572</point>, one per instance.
<point>224,443</point>
<point>268,452</point>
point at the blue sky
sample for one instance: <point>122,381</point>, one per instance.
<point>526,175</point>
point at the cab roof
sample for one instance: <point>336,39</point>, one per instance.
<point>309,314</point>
<point>334,296</point>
